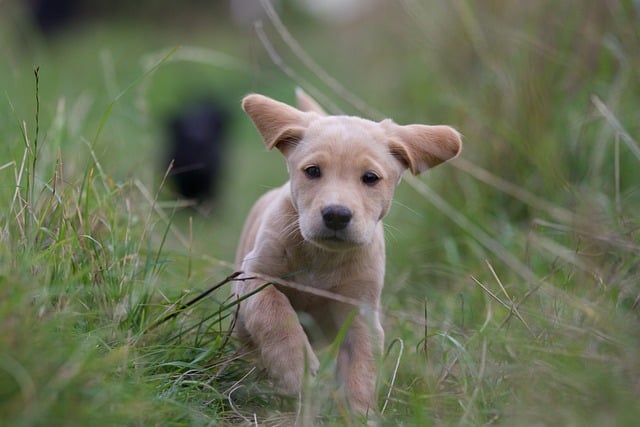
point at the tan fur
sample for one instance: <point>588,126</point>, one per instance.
<point>290,234</point>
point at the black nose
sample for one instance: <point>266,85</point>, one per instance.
<point>336,217</point>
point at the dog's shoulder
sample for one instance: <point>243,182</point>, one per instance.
<point>272,217</point>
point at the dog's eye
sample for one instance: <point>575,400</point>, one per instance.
<point>312,172</point>
<point>370,178</point>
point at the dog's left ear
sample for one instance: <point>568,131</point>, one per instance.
<point>422,147</point>
<point>307,103</point>
<point>279,124</point>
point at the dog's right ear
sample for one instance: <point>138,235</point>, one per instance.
<point>279,124</point>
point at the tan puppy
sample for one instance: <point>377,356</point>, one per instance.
<point>323,229</point>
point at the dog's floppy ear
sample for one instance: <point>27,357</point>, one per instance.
<point>307,103</point>
<point>279,124</point>
<point>421,147</point>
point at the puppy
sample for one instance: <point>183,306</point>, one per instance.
<point>323,229</point>
<point>196,146</point>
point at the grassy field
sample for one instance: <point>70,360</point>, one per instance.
<point>513,280</point>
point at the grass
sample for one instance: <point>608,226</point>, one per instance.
<point>512,292</point>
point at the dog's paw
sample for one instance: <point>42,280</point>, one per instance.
<point>289,362</point>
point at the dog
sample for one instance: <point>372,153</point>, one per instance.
<point>197,139</point>
<point>323,230</point>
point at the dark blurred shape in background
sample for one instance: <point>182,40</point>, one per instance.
<point>53,15</point>
<point>196,144</point>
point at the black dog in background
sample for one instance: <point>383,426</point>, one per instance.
<point>51,16</point>
<point>195,134</point>
<point>196,142</point>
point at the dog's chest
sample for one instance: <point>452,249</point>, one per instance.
<point>324,272</point>
<point>343,274</point>
<point>320,269</point>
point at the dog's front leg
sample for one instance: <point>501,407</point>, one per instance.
<point>284,348</point>
<point>357,363</point>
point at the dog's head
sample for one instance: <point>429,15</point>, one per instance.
<point>344,170</point>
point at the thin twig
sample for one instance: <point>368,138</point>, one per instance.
<point>314,67</point>
<point>512,305</point>
<point>395,371</point>
<point>518,192</point>
<point>616,125</point>
<point>267,280</point>
<point>479,379</point>
<point>236,386</point>
<point>290,72</point>
<point>194,300</point>
<point>480,235</point>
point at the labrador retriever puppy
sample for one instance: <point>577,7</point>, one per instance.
<point>323,230</point>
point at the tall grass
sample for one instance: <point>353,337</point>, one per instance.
<point>545,329</point>
<point>512,291</point>
<point>526,266</point>
<point>82,275</point>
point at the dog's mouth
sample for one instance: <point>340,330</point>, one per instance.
<point>334,240</point>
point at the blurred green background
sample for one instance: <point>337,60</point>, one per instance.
<point>512,273</point>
